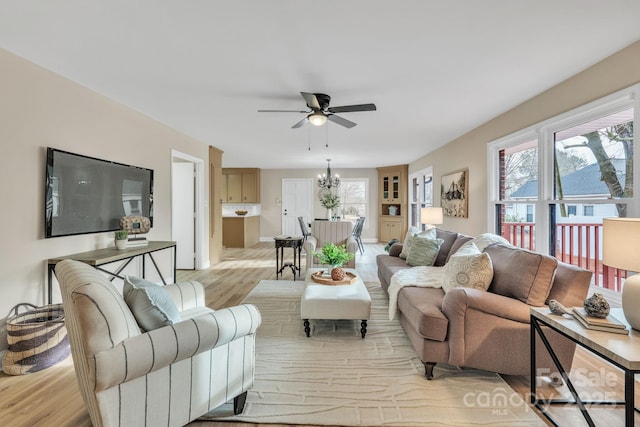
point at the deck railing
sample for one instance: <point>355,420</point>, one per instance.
<point>576,243</point>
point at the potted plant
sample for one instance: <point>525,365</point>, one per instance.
<point>329,201</point>
<point>121,237</point>
<point>335,256</point>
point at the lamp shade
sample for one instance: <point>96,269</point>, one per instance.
<point>621,240</point>
<point>431,215</point>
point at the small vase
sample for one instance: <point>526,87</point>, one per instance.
<point>329,214</point>
<point>121,245</point>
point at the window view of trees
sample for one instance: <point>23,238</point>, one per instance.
<point>353,198</point>
<point>589,177</point>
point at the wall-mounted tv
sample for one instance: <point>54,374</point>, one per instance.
<point>88,195</point>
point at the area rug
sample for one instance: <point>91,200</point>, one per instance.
<point>335,377</point>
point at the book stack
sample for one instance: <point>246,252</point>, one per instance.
<point>607,324</point>
<point>135,242</point>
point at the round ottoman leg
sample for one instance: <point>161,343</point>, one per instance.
<point>307,329</point>
<point>363,328</point>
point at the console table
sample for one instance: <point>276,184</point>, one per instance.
<point>623,351</point>
<point>100,257</point>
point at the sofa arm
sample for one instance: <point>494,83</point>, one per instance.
<point>457,301</point>
<point>187,295</point>
<point>139,355</point>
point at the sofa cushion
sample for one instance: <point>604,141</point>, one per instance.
<point>387,267</point>
<point>521,274</point>
<point>423,251</point>
<point>151,304</point>
<point>457,244</point>
<point>448,237</point>
<point>422,308</point>
<point>468,268</point>
<point>570,285</point>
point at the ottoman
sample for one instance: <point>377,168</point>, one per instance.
<point>335,302</point>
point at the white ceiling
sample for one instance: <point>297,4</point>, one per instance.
<point>435,69</point>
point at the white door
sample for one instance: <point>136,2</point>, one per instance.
<point>297,200</point>
<point>183,216</point>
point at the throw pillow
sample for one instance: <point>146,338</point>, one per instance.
<point>486,239</point>
<point>468,268</point>
<point>521,274</point>
<point>151,304</point>
<point>408,239</point>
<point>423,251</point>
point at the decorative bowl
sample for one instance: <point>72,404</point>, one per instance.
<point>241,212</point>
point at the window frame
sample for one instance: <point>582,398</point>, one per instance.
<point>544,133</point>
<point>420,201</point>
<point>367,198</point>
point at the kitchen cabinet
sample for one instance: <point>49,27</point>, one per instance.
<point>240,185</point>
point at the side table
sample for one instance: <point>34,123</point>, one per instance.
<point>622,351</point>
<point>294,242</point>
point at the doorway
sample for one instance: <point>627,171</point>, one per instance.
<point>297,200</point>
<point>187,210</point>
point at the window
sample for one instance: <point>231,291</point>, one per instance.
<point>529,213</point>
<point>353,198</point>
<point>420,194</point>
<point>551,184</point>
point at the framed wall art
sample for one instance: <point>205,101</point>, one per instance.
<point>454,194</point>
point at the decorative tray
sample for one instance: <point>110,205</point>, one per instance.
<point>324,280</point>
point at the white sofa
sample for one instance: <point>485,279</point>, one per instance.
<point>168,376</point>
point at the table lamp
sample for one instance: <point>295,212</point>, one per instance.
<point>431,216</point>
<point>621,238</point>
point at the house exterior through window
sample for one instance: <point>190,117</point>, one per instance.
<point>555,182</point>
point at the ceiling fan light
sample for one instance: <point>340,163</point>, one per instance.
<point>317,118</point>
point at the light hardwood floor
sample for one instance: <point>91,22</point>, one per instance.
<point>51,397</point>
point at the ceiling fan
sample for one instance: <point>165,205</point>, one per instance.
<point>321,112</point>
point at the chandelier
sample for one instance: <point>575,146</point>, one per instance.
<point>327,181</point>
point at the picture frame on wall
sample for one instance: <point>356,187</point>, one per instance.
<point>454,192</point>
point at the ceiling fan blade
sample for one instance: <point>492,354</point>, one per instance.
<point>282,111</point>
<point>311,100</point>
<point>352,108</point>
<point>300,123</point>
<point>341,121</point>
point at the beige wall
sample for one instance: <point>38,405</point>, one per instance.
<point>617,72</point>
<point>271,192</point>
<point>38,109</point>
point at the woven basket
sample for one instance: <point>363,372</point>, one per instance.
<point>37,339</point>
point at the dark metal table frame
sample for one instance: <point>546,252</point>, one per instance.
<point>105,256</point>
<point>288,242</point>
<point>629,383</point>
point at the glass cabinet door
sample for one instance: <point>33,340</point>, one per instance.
<point>385,187</point>
<point>396,187</point>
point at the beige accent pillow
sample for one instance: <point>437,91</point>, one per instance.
<point>423,251</point>
<point>408,239</point>
<point>486,239</point>
<point>468,268</point>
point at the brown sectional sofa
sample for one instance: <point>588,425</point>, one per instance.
<point>486,330</point>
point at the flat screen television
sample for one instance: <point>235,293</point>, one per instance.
<point>88,195</point>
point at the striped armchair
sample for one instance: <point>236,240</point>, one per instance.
<point>337,232</point>
<point>168,376</point>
